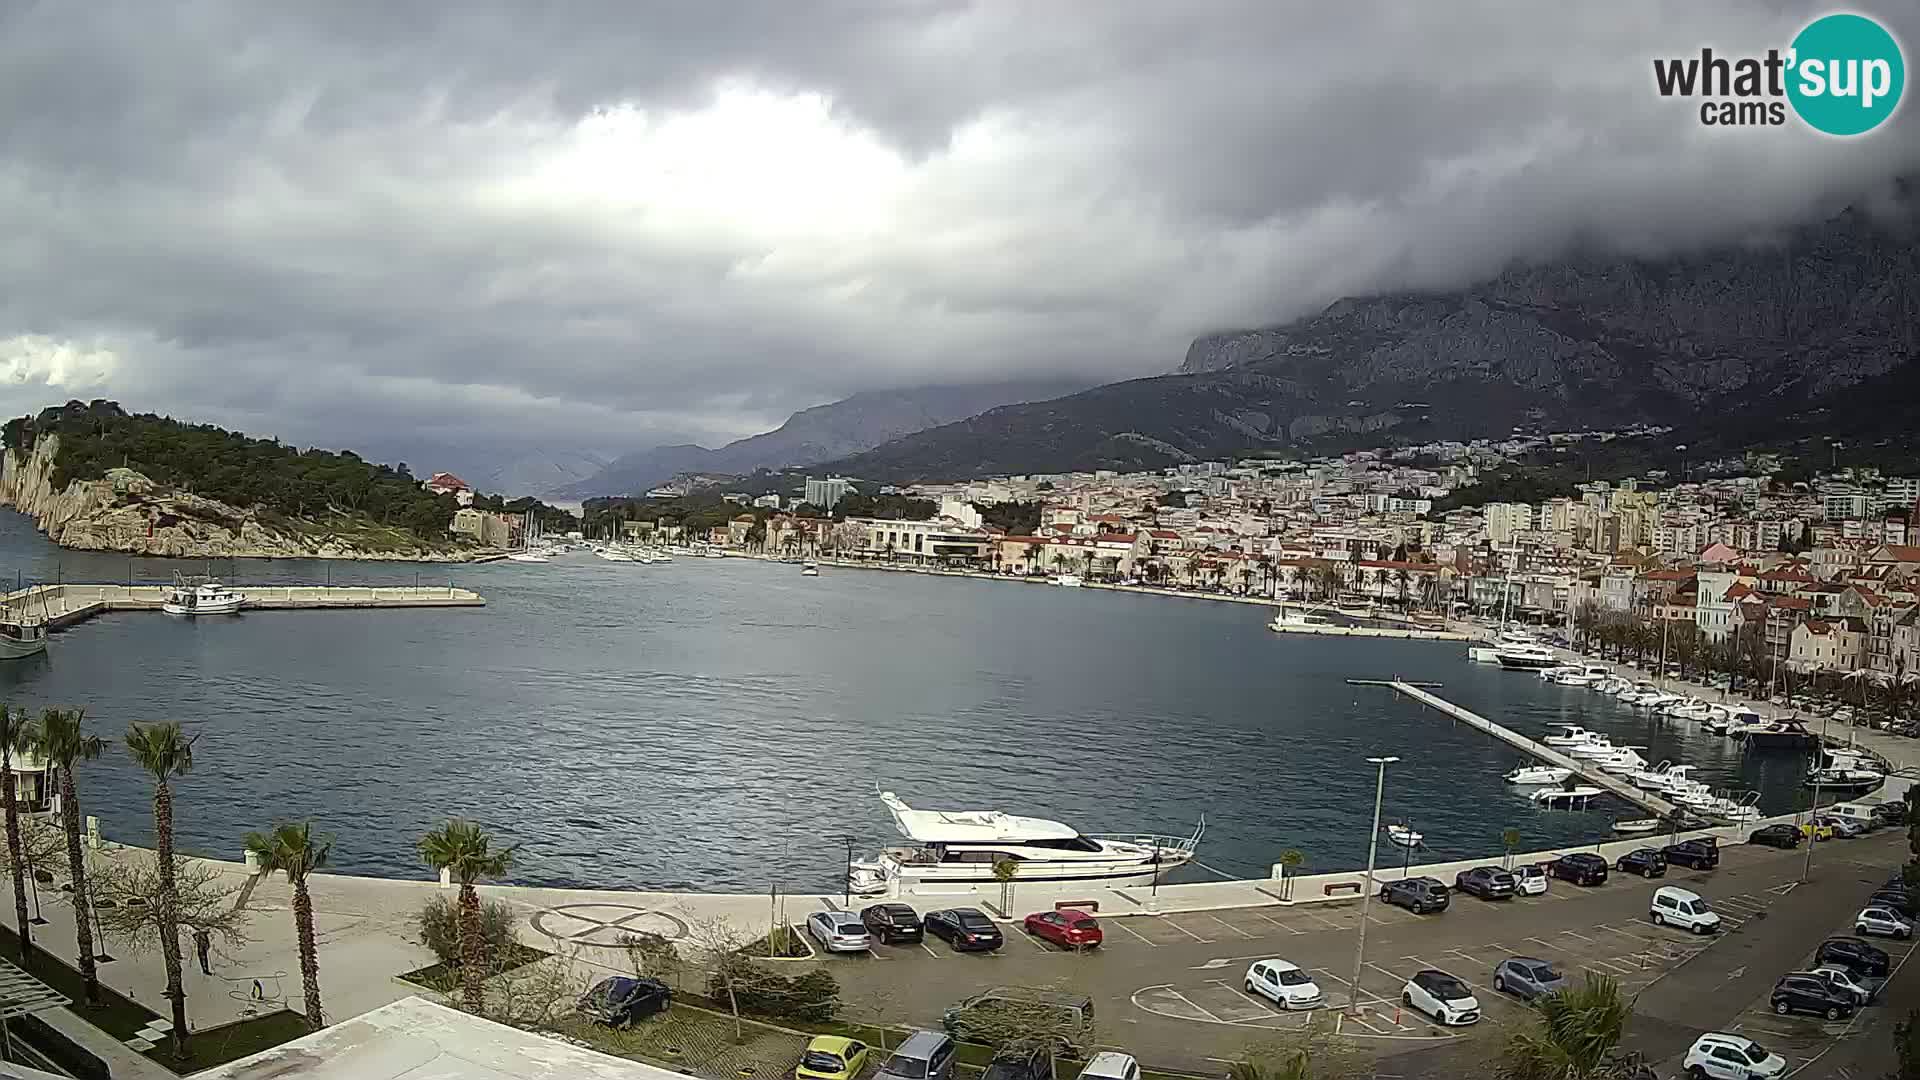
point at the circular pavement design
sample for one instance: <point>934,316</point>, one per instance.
<point>603,924</point>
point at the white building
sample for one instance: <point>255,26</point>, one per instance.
<point>1505,519</point>
<point>823,494</point>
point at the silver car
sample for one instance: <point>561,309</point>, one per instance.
<point>1882,920</point>
<point>838,931</point>
<point>1527,978</point>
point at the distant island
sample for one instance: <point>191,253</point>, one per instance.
<point>98,478</point>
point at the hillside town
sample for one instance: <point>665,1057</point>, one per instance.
<point>1827,570</point>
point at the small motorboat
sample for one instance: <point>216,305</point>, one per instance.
<point>1539,775</point>
<point>1624,761</point>
<point>1637,827</point>
<point>810,570</point>
<point>1845,779</point>
<point>528,556</point>
<point>1568,735</point>
<point>200,596</point>
<point>1654,779</point>
<point>1597,747</point>
<point>1400,834</point>
<point>1068,581</point>
<point>1565,796</point>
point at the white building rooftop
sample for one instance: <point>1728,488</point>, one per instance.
<point>414,1039</point>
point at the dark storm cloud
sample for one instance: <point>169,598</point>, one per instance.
<point>604,225</point>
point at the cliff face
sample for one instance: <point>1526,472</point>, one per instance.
<point>125,511</point>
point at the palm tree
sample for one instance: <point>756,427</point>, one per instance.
<point>1575,1036</point>
<point>59,739</point>
<point>15,736</point>
<point>164,751</point>
<point>292,850</point>
<point>1290,861</point>
<point>1402,578</point>
<point>1034,551</point>
<point>465,851</point>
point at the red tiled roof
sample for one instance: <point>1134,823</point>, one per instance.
<point>1163,534</point>
<point>1904,552</point>
<point>448,480</point>
<point>1115,538</point>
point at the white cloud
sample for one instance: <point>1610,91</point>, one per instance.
<point>32,360</point>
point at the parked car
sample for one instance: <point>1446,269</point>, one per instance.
<point>892,924</point>
<point>923,1055</point>
<point>1683,908</point>
<point>1731,1057</point>
<point>1784,837</point>
<point>1694,854</point>
<point>832,1057</point>
<point>1418,895</point>
<point>619,1001</point>
<point>966,929</point>
<point>1440,996</point>
<point>1806,994</point>
<point>1816,830</point>
<point>1581,868</point>
<point>1644,861</point>
<point>1883,921</point>
<point>838,931</point>
<point>1527,978</point>
<point>1069,929</point>
<point>1859,988</point>
<point>1284,984</point>
<point>1530,880</point>
<point>1898,899</point>
<point>1854,954</point>
<point>1020,1063</point>
<point>1109,1065</point>
<point>1486,882</point>
<point>1890,813</point>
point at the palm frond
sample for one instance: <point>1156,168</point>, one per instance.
<point>162,749</point>
<point>464,849</point>
<point>60,737</point>
<point>290,849</point>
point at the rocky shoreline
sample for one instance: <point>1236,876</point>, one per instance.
<point>127,512</point>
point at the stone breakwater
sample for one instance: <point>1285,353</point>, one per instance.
<point>126,511</point>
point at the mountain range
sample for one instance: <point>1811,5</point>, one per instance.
<point>1765,333</point>
<point>834,430</point>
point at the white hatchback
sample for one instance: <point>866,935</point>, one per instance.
<point>1731,1057</point>
<point>1441,996</point>
<point>1284,984</point>
<point>1530,880</point>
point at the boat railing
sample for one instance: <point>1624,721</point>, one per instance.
<point>1185,845</point>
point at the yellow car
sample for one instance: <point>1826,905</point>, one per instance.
<point>1817,832</point>
<point>832,1057</point>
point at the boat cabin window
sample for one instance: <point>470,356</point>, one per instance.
<point>986,857</point>
<point>1072,843</point>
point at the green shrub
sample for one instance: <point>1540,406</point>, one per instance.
<point>439,926</point>
<point>811,995</point>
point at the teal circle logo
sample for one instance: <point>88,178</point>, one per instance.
<point>1847,74</point>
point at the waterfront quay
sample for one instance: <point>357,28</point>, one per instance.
<point>63,605</point>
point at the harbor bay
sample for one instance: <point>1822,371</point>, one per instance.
<point>720,725</point>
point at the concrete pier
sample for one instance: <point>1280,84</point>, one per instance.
<point>64,605</point>
<point>1371,631</point>
<point>1586,771</point>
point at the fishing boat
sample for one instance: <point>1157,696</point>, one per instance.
<point>20,639</point>
<point>1780,737</point>
<point>1401,834</point>
<point>1527,775</point>
<point>955,851</point>
<point>810,569</point>
<point>200,595</point>
<point>1637,826</point>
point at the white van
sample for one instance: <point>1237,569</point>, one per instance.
<point>1855,812</point>
<point>1683,908</point>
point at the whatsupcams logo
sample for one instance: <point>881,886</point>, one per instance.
<point>1842,75</point>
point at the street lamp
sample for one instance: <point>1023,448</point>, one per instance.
<point>847,879</point>
<point>1366,890</point>
<point>1813,828</point>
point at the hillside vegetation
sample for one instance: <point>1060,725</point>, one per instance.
<point>231,467</point>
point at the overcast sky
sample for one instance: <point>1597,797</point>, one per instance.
<point>602,225</point>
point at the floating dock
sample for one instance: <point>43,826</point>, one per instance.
<point>1370,631</point>
<point>64,605</point>
<point>1586,771</point>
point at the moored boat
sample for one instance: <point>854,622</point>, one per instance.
<point>201,596</point>
<point>1566,796</point>
<point>1402,834</point>
<point>810,569</point>
<point>1538,774</point>
<point>22,639</point>
<point>1637,826</point>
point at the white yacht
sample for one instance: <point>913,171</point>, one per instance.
<point>1489,653</point>
<point>955,851</point>
<point>22,639</point>
<point>1068,581</point>
<point>200,596</point>
<point>1297,616</point>
<point>1525,657</point>
<point>1528,775</point>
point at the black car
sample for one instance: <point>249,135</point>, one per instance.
<point>619,1001</point>
<point>1486,882</point>
<point>1418,895</point>
<point>892,924</point>
<point>1784,837</point>
<point>1898,899</point>
<point>966,929</point>
<point>1889,813</point>
<point>1853,954</point>
<point>1693,854</point>
<point>1643,861</point>
<point>1806,994</point>
<point>1016,1064</point>
<point>1581,868</point>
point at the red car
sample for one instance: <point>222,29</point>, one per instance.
<point>1068,929</point>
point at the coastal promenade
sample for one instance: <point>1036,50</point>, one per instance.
<point>64,605</point>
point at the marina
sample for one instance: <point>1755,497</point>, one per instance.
<point>60,606</point>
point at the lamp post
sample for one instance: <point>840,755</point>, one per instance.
<point>1813,828</point>
<point>847,879</point>
<point>1366,890</point>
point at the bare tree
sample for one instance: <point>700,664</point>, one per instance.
<point>652,956</point>
<point>1310,1053</point>
<point>720,944</point>
<point>536,995</point>
<point>127,891</point>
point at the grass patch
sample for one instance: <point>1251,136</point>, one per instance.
<point>445,977</point>
<point>122,1017</point>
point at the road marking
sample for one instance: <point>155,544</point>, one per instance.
<point>1255,998</point>
<point>1034,941</point>
<point>1575,933</point>
<point>1208,1013</point>
<point>1223,961</point>
<point>1231,927</point>
<point>1324,919</point>
<point>1122,924</point>
<point>1623,933</point>
<point>1548,944</point>
<point>929,950</point>
<point>1288,927</point>
<point>1189,933</point>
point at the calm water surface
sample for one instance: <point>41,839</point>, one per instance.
<point>716,725</point>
